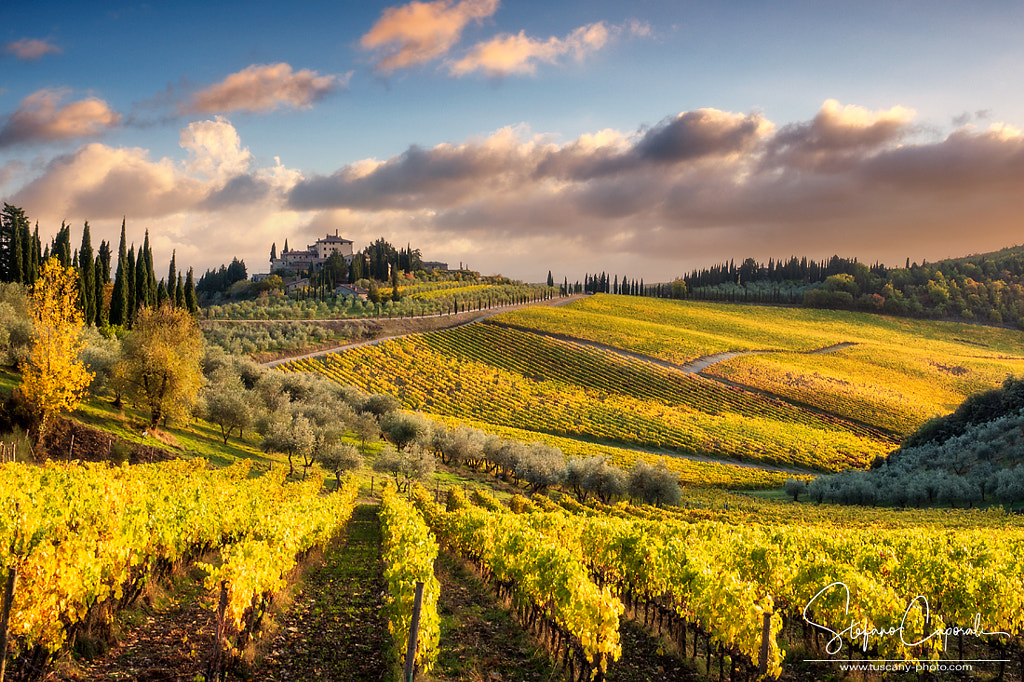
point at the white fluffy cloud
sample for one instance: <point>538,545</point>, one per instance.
<point>208,206</point>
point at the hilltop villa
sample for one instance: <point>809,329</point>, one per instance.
<point>314,254</point>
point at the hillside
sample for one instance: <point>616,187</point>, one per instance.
<point>970,457</point>
<point>805,389</point>
<point>987,288</point>
<point>517,591</point>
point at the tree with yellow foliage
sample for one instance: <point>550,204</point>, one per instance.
<point>160,362</point>
<point>53,378</point>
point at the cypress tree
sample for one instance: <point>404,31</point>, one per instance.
<point>179,293</point>
<point>102,310</point>
<point>37,256</point>
<point>86,273</point>
<point>161,293</point>
<point>26,254</point>
<point>103,258</point>
<point>190,294</point>
<point>172,273</point>
<point>13,226</point>
<point>61,247</point>
<point>101,279</point>
<point>142,298</point>
<point>119,297</point>
<point>273,252</point>
<point>16,251</point>
<point>129,281</point>
<point>150,272</point>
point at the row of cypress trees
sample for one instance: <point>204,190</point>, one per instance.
<point>102,301</point>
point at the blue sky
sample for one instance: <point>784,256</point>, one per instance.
<point>643,139</point>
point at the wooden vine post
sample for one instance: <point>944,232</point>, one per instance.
<point>218,645</point>
<point>12,581</point>
<point>414,631</point>
<point>766,633</point>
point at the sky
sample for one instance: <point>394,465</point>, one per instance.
<point>643,139</point>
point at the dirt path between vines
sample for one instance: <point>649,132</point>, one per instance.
<point>695,366</point>
<point>335,628</point>
<point>481,640</point>
<point>170,644</point>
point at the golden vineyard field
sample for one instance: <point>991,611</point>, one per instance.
<point>579,371</point>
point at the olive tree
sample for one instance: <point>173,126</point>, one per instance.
<point>339,457</point>
<point>412,464</point>
<point>225,403</point>
<point>654,484</point>
<point>794,486</point>
<point>541,466</point>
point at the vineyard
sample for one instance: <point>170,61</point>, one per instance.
<point>891,386</point>
<point>79,543</point>
<point>741,587</point>
<point>750,595</point>
<point>435,382</point>
<point>784,405</point>
<point>898,373</point>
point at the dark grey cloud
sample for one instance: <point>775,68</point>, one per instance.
<point>241,190</point>
<point>694,134</point>
<point>417,178</point>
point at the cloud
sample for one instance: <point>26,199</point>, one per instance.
<point>692,189</point>
<point>837,134</point>
<point>448,175</point>
<point>849,180</point>
<point>419,32</point>
<point>704,132</point>
<point>639,29</point>
<point>509,54</point>
<point>40,118</point>
<point>263,88</point>
<point>200,205</point>
<point>98,181</point>
<point>442,176</point>
<point>30,49</point>
<point>215,150</point>
<point>9,171</point>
